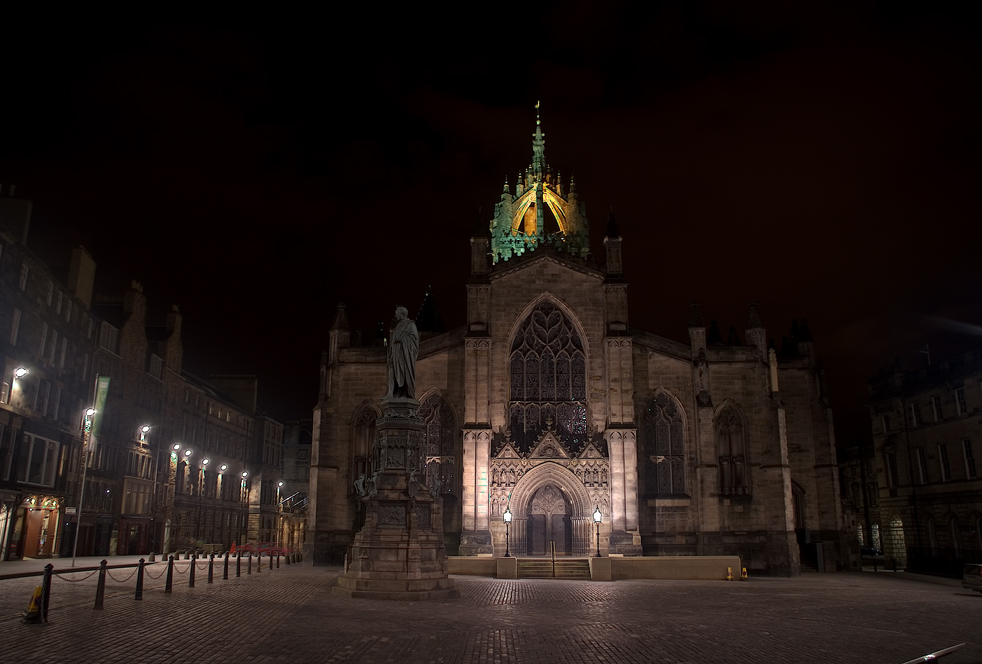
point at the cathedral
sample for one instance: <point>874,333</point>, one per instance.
<point>547,405</point>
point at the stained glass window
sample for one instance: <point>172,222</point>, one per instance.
<point>548,377</point>
<point>441,428</point>
<point>663,444</point>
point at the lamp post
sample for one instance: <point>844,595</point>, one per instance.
<point>86,433</point>
<point>597,517</point>
<point>507,517</point>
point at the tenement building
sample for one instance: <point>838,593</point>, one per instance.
<point>173,461</point>
<point>926,436</point>
<point>549,406</point>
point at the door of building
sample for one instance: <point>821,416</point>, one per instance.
<point>549,521</point>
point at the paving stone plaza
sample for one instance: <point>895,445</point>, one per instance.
<point>290,614</point>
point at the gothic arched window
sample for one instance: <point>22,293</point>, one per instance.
<point>732,453</point>
<point>548,377</point>
<point>663,442</point>
<point>441,437</point>
<point>361,448</point>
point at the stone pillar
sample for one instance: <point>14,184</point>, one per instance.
<point>475,538</point>
<point>399,553</point>
<point>624,536</point>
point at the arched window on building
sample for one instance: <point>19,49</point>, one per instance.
<point>548,378</point>
<point>363,433</point>
<point>731,449</point>
<point>663,443</point>
<point>441,437</point>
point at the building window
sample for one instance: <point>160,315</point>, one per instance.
<point>50,292</point>
<point>548,378</point>
<point>44,339</point>
<point>943,461</point>
<point>156,365</point>
<point>915,414</point>
<point>663,442</point>
<point>960,401</point>
<point>732,453</point>
<point>893,477</point>
<point>24,271</point>
<point>969,459</point>
<point>921,466</point>
<point>37,462</point>
<point>936,407</point>
<point>58,301</point>
<point>68,310</point>
<point>14,327</point>
<point>108,337</point>
<point>64,350</point>
<point>885,419</point>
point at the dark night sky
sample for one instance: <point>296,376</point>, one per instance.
<point>257,169</point>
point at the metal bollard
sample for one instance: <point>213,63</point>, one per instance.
<point>46,591</point>
<point>169,583</point>
<point>139,580</point>
<point>225,571</point>
<point>271,561</point>
<point>238,564</point>
<point>249,568</point>
<point>194,560</point>
<point>211,568</point>
<point>287,556</point>
<point>277,561</point>
<point>259,567</point>
<point>100,589</point>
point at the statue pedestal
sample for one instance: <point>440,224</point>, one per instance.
<point>399,553</point>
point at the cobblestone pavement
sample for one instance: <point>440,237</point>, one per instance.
<point>290,615</point>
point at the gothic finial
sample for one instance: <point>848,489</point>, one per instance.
<point>753,320</point>
<point>340,318</point>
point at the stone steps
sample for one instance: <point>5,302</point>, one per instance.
<point>542,568</point>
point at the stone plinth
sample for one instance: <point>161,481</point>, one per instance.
<point>399,553</point>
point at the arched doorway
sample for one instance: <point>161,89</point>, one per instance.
<point>550,504</point>
<point>549,522</point>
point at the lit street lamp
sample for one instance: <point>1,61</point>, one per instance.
<point>597,517</point>
<point>507,517</point>
<point>20,372</point>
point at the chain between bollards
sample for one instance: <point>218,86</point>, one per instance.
<point>46,591</point>
<point>139,580</point>
<point>169,584</point>
<point>100,589</point>
<point>211,568</point>
<point>225,571</point>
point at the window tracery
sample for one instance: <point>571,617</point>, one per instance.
<point>663,442</point>
<point>548,378</point>
<point>732,452</point>
<point>441,435</point>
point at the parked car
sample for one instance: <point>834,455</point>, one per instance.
<point>972,577</point>
<point>870,552</point>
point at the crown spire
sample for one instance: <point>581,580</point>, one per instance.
<point>538,146</point>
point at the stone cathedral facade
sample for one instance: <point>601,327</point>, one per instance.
<point>548,403</point>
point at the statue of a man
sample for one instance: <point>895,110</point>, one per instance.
<point>402,352</point>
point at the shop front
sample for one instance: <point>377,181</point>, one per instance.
<point>35,528</point>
